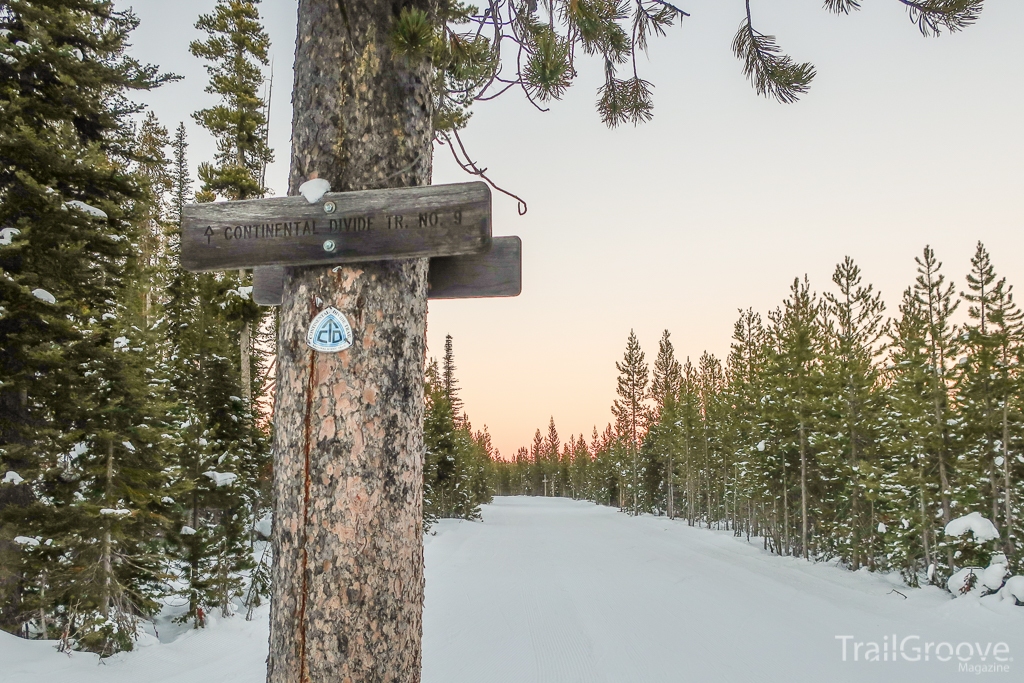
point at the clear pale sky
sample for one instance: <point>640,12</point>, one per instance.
<point>715,205</point>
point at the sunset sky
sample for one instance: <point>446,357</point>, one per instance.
<point>715,205</point>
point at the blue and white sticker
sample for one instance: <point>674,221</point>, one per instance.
<point>329,331</point>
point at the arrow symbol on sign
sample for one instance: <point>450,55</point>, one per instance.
<point>208,233</point>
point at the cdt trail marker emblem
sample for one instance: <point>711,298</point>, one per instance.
<point>329,331</point>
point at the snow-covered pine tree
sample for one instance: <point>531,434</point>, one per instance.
<point>745,385</point>
<point>580,475</point>
<point>630,413</point>
<point>453,473</point>
<point>852,416</point>
<point>80,415</point>
<point>712,459</point>
<point>796,331</point>
<point>225,453</point>
<point>153,168</point>
<point>935,300</point>
<point>449,383</point>
<point>538,461</point>
<point>662,439</point>
<point>911,484</point>
<point>552,443</point>
<point>985,390</point>
<point>690,424</point>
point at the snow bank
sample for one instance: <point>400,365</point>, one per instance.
<point>992,578</point>
<point>314,190</point>
<point>1014,588</point>
<point>981,527</point>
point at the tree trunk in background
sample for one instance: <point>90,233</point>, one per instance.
<point>348,547</point>
<point>245,353</point>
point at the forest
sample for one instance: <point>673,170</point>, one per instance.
<point>832,431</point>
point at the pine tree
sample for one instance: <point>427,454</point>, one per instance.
<point>662,440</point>
<point>153,169</point>
<point>797,332</point>
<point>236,50</point>
<point>911,484</point>
<point>986,382</point>
<point>448,381</point>
<point>935,301</point>
<point>454,472</point>
<point>537,459</point>
<point>80,414</point>
<point>855,316</point>
<point>225,461</point>
<point>552,445</point>
<point>630,411</point>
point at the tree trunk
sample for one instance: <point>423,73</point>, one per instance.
<point>803,490</point>
<point>671,489</point>
<point>245,353</point>
<point>348,547</point>
<point>105,559</point>
<point>1008,510</point>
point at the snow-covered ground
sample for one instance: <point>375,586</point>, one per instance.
<point>552,590</point>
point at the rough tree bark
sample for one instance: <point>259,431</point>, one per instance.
<point>348,549</point>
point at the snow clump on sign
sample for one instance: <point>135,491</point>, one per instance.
<point>313,190</point>
<point>43,295</point>
<point>12,477</point>
<point>221,478</point>
<point>983,529</point>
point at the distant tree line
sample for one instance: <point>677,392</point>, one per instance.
<point>830,431</point>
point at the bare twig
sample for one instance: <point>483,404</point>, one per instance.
<point>469,166</point>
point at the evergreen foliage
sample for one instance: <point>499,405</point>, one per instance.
<point>544,42</point>
<point>458,473</point>
<point>82,407</point>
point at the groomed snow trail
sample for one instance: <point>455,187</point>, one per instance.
<point>553,590</point>
<point>559,591</point>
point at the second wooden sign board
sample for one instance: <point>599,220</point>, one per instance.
<point>497,272</point>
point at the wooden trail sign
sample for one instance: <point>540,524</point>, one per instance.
<point>495,272</point>
<point>342,227</point>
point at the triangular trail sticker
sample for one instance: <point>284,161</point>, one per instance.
<point>329,331</point>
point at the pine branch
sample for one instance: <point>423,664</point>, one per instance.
<point>772,73</point>
<point>931,16</point>
<point>842,6</point>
